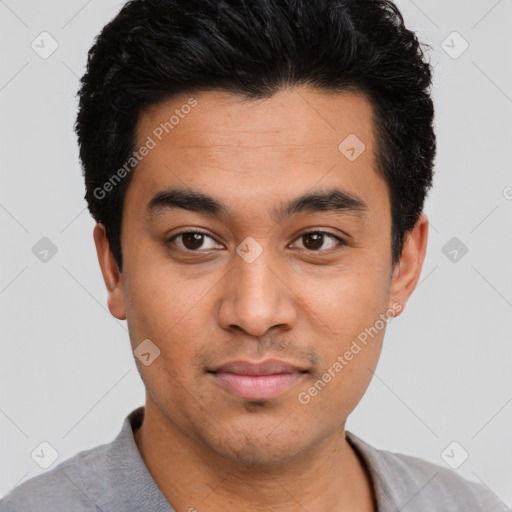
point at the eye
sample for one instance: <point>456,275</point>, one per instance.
<point>190,240</point>
<point>193,241</point>
<point>314,240</point>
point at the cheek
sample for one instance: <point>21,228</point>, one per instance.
<point>351,306</point>
<point>347,301</point>
<point>173,313</point>
<point>338,386</point>
<point>158,300</point>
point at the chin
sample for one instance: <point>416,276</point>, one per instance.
<point>253,455</point>
<point>258,447</point>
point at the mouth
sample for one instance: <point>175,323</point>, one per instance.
<point>257,381</point>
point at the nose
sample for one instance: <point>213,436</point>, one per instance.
<point>257,296</point>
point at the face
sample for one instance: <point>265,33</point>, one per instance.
<point>246,273</point>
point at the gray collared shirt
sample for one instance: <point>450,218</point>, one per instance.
<point>113,478</point>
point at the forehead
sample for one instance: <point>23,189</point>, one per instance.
<point>224,144</point>
<point>298,116</point>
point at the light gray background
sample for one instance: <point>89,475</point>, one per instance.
<point>67,374</point>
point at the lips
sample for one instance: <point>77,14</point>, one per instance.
<point>268,367</point>
<point>257,381</point>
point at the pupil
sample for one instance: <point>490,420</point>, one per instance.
<point>196,240</point>
<point>317,240</point>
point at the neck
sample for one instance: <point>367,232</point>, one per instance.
<point>328,478</point>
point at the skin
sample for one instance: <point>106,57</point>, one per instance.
<point>206,448</point>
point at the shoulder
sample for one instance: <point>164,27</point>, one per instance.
<point>444,486</point>
<point>60,489</point>
<point>403,479</point>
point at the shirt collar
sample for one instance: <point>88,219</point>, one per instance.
<point>382,476</point>
<point>126,483</point>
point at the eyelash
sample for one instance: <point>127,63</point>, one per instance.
<point>340,241</point>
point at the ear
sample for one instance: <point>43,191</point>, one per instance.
<point>408,270</point>
<point>110,271</point>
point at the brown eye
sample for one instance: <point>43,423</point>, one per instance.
<point>315,240</point>
<point>191,241</point>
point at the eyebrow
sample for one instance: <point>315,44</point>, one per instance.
<point>331,200</point>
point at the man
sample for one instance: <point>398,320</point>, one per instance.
<point>257,170</point>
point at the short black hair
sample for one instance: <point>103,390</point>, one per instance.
<point>156,49</point>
